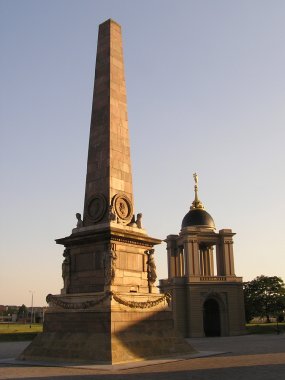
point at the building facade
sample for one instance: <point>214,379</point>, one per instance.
<point>207,295</point>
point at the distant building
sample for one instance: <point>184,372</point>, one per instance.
<point>10,313</point>
<point>207,295</point>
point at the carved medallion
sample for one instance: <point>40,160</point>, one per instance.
<point>97,207</point>
<point>123,207</point>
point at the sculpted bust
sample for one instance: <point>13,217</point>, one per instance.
<point>79,220</point>
<point>139,220</point>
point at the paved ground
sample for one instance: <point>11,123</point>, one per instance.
<point>254,357</point>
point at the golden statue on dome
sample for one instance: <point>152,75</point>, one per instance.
<point>196,203</point>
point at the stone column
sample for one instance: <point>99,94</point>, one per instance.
<point>229,259</point>
<point>225,256</point>
<point>201,257</point>
<point>207,262</point>
<point>171,255</point>
<point>191,251</point>
<point>211,259</point>
<point>181,261</point>
<point>220,258</point>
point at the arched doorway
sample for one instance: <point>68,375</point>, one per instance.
<point>211,318</point>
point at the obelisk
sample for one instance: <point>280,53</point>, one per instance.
<point>109,164</point>
<point>109,310</point>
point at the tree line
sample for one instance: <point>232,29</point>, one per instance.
<point>264,296</point>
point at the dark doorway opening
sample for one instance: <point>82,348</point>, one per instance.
<point>211,317</point>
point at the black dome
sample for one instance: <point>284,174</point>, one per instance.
<point>198,217</point>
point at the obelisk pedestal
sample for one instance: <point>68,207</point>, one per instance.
<point>109,310</point>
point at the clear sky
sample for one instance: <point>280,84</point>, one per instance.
<point>206,93</point>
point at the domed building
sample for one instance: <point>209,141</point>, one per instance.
<point>207,295</point>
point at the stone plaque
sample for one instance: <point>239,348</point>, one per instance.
<point>123,207</point>
<point>97,207</point>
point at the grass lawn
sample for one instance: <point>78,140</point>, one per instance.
<point>11,328</point>
<point>265,328</point>
<point>10,332</point>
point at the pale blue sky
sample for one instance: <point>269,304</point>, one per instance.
<point>206,93</point>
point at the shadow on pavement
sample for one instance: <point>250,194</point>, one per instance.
<point>261,372</point>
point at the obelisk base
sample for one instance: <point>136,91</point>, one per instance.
<point>107,329</point>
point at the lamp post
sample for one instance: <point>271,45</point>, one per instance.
<point>44,310</point>
<point>32,307</point>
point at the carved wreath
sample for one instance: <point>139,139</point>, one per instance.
<point>88,304</point>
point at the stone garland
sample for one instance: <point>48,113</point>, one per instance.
<point>88,304</point>
<point>70,305</point>
<point>142,305</point>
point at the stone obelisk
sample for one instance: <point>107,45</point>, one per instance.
<point>109,164</point>
<point>109,310</point>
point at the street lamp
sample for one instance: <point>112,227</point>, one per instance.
<point>44,310</point>
<point>32,307</point>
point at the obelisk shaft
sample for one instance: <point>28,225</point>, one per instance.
<point>109,165</point>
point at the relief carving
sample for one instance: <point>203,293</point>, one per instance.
<point>109,262</point>
<point>122,208</point>
<point>66,270</point>
<point>97,206</point>
<point>151,269</point>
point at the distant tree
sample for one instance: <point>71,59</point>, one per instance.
<point>264,297</point>
<point>22,312</point>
